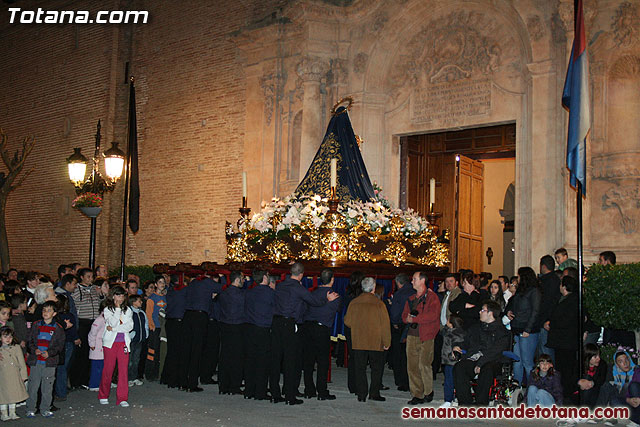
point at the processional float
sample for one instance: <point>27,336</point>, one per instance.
<point>336,217</point>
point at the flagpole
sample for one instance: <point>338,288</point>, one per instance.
<point>580,277</point>
<point>577,14</point>
<point>125,208</point>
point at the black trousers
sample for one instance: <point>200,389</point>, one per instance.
<point>194,329</point>
<point>231,358</point>
<point>589,397</point>
<point>317,344</point>
<point>285,349</point>
<point>80,364</point>
<point>376,360</point>
<point>257,361</point>
<point>463,373</point>
<point>351,368</point>
<point>437,354</point>
<point>211,351</point>
<point>567,365</point>
<point>399,357</point>
<point>142,362</point>
<point>173,361</point>
<point>152,365</point>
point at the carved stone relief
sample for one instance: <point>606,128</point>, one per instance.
<point>558,31</point>
<point>312,68</point>
<point>380,19</point>
<point>625,199</point>
<point>449,49</point>
<point>627,66</point>
<point>562,23</point>
<point>267,83</point>
<point>615,167</point>
<point>448,66</point>
<point>360,62</point>
<point>625,25</point>
<point>615,171</point>
<point>534,25</point>
<point>338,71</point>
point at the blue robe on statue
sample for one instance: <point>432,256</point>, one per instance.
<point>352,178</point>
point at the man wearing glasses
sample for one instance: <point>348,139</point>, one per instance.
<point>484,344</point>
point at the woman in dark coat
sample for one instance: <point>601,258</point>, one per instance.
<point>523,311</point>
<point>563,329</point>
<point>594,375</point>
<point>467,305</point>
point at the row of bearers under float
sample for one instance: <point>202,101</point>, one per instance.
<point>272,329</point>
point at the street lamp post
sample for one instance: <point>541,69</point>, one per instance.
<point>95,183</point>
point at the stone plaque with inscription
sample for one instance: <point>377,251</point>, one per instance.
<point>450,101</point>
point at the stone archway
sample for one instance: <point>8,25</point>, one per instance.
<point>463,65</point>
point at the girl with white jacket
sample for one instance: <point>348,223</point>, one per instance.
<point>116,344</point>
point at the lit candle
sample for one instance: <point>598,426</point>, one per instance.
<point>334,165</point>
<point>244,185</point>
<point>432,192</point>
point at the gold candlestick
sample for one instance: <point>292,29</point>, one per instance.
<point>333,201</point>
<point>433,219</point>
<point>244,213</point>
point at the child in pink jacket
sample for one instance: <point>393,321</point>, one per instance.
<point>95,350</point>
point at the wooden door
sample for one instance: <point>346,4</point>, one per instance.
<point>462,206</point>
<point>459,197</point>
<point>470,208</point>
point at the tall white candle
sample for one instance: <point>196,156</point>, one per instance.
<point>334,172</point>
<point>432,191</point>
<point>244,185</point>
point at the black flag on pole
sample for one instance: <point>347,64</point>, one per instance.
<point>134,195</point>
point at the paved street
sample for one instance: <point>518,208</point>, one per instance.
<point>153,404</point>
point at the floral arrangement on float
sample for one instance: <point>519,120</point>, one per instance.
<point>304,227</point>
<point>292,211</point>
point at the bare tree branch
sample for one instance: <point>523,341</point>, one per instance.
<point>15,164</point>
<point>4,139</point>
<point>22,178</point>
<point>27,145</point>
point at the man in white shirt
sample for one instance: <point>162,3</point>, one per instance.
<point>452,287</point>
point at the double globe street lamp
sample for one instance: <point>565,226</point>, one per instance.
<point>95,183</point>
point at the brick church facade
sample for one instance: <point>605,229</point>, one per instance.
<point>247,85</point>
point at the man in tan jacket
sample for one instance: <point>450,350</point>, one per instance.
<point>371,335</point>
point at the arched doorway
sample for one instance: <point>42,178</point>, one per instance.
<point>508,213</point>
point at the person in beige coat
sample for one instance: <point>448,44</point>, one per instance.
<point>13,373</point>
<point>368,319</point>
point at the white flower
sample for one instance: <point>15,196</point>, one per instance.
<point>316,221</point>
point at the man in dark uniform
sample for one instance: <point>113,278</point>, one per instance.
<point>317,327</point>
<point>399,349</point>
<point>199,294</point>
<point>211,346</point>
<point>231,302</point>
<point>291,297</point>
<point>259,304</point>
<point>176,303</point>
